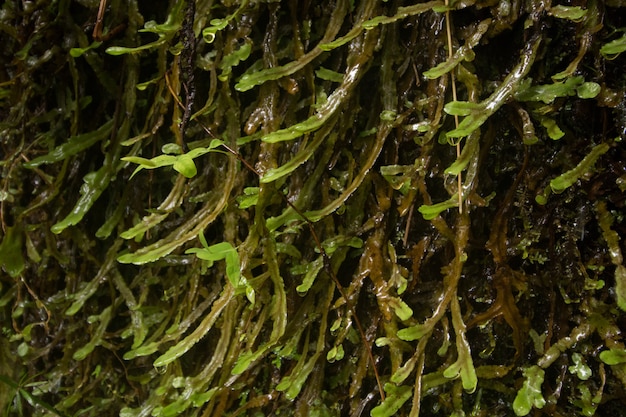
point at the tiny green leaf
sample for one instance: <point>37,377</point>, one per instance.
<point>404,371</point>
<point>396,397</point>
<point>312,270</point>
<point>552,128</point>
<point>414,332</point>
<point>529,395</point>
<point>73,146</point>
<point>94,184</point>
<point>249,199</point>
<point>171,149</point>
<point>145,350</point>
<point>429,212</point>
<point>328,75</point>
<point>613,356</point>
<point>244,360</point>
<point>76,52</point>
<point>588,90</point>
<point>185,165</point>
<point>402,13</point>
<point>612,49</point>
<point>402,310</point>
<point>573,13</point>
<point>336,353</point>
<point>233,59</point>
<point>562,182</point>
<point>11,257</point>
<point>580,368</point>
<point>462,108</point>
<point>469,151</point>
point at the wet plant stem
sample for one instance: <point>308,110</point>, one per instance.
<point>454,98</point>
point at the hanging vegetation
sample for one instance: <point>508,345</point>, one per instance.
<point>312,208</point>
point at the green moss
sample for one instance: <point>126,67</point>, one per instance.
<point>252,208</point>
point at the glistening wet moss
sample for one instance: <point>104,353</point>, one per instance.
<point>197,206</point>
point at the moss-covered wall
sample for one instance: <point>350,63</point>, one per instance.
<point>312,208</point>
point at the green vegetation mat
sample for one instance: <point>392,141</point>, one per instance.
<point>312,208</point>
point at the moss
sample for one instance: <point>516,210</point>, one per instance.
<point>330,208</point>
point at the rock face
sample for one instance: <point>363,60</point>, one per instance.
<point>312,208</point>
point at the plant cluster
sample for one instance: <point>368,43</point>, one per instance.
<point>327,208</point>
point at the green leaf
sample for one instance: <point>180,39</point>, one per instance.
<point>464,365</point>
<point>404,371</point>
<point>469,124</point>
<point>334,243</point>
<point>402,13</point>
<point>398,176</point>
<point>464,53</point>
<point>552,128</point>
<point>73,146</point>
<point>301,157</point>
<point>249,199</point>
<point>142,87</point>
<point>396,397</point>
<point>292,384</point>
<point>353,33</point>
<point>588,90</point>
<point>208,33</point>
<point>156,162</point>
<point>121,50</point>
<point>76,52</point>
<point>328,75</point>
<point>612,49</point>
<point>547,93</point>
<point>529,395</point>
<point>309,125</point>
<point>613,356</point>
<point>244,360</point>
<point>469,151</point>
<point>96,338</point>
<point>541,199</point>
<point>172,149</point>
<point>336,353</point>
<point>182,163</point>
<point>165,32</point>
<point>462,108</point>
<point>565,180</point>
<point>233,59</point>
<point>573,13</point>
<point>311,271</point>
<point>11,257</point>
<point>217,252</point>
<point>429,212</point>
<point>402,310</point>
<point>580,368</point>
<point>464,368</point>
<point>203,328</point>
<point>94,184</point>
<point>414,332</point>
<point>145,350</point>
<point>185,165</point>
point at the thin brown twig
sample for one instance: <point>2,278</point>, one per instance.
<point>454,98</point>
